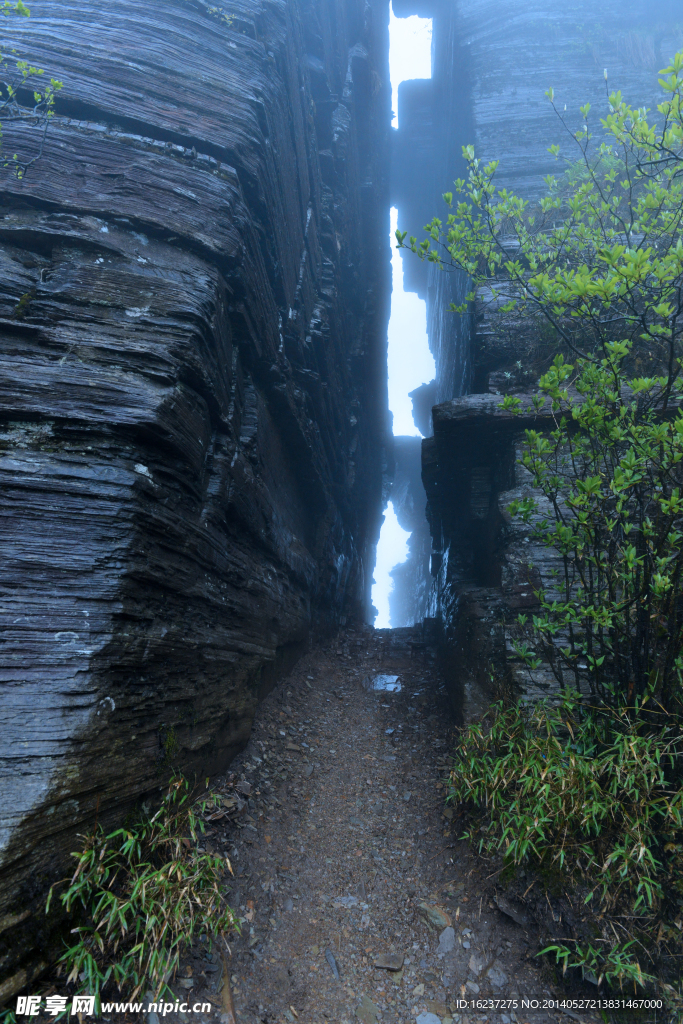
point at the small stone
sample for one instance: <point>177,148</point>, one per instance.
<point>244,788</point>
<point>466,944</point>
<point>446,941</point>
<point>497,975</point>
<point>513,910</point>
<point>472,987</point>
<point>476,963</point>
<point>289,905</point>
<point>367,1011</point>
<point>419,990</point>
<point>436,916</point>
<point>389,961</point>
<point>345,901</point>
<point>308,771</point>
<point>151,1017</point>
<point>504,1019</point>
<point>329,956</point>
<point>407,795</point>
<point>428,1018</point>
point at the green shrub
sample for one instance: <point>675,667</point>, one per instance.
<point>594,797</point>
<point>20,79</point>
<point>144,893</point>
<point>594,270</point>
<point>608,501</point>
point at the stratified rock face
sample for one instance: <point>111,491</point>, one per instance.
<point>194,297</point>
<point>487,568</point>
<point>493,62</point>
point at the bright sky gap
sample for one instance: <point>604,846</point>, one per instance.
<point>410,52</point>
<point>410,361</point>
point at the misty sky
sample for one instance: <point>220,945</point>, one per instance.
<point>410,361</point>
<point>410,52</point>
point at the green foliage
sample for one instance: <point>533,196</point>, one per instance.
<point>593,798</point>
<point>610,506</point>
<point>600,258</point>
<point>219,14</point>
<point>18,79</point>
<point>592,788</point>
<point>145,893</point>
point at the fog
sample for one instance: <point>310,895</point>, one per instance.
<point>410,361</point>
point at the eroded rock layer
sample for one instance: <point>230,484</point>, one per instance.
<point>193,305</point>
<point>493,61</point>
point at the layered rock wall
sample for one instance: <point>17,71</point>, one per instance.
<point>508,53</point>
<point>194,299</point>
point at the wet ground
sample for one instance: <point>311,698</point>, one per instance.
<point>358,902</point>
<point>357,899</point>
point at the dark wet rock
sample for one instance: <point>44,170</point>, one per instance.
<point>435,916</point>
<point>513,909</point>
<point>486,568</point>
<point>329,956</point>
<point>497,975</point>
<point>446,941</point>
<point>423,399</point>
<point>482,93</point>
<point>389,961</point>
<point>193,405</point>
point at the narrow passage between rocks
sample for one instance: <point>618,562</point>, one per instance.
<point>358,901</point>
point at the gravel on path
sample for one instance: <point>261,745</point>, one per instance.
<point>357,900</point>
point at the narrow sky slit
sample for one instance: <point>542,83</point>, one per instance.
<point>391,550</point>
<point>410,53</point>
<point>410,361</point>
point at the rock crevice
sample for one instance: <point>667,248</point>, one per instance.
<point>193,304</point>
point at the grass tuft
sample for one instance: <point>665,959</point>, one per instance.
<point>597,797</point>
<point>143,894</point>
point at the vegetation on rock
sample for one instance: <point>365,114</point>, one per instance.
<point>593,785</point>
<point>145,892</point>
<point>20,81</point>
<point>592,798</point>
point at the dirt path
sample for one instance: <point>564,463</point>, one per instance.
<point>343,856</point>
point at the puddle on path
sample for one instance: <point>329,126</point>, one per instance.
<point>347,866</point>
<point>382,684</point>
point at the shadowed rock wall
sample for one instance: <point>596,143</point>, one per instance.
<point>484,568</point>
<point>193,307</point>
